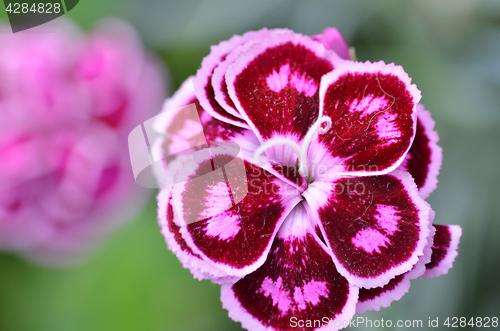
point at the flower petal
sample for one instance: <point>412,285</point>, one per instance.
<point>332,39</point>
<point>203,81</point>
<point>182,126</point>
<point>183,134</point>
<point>275,86</point>
<point>298,282</point>
<point>383,297</point>
<point>229,209</point>
<point>377,227</point>
<point>219,74</point>
<point>289,174</point>
<point>444,250</point>
<point>191,261</point>
<point>424,158</point>
<point>373,111</point>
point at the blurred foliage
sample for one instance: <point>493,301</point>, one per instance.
<point>451,49</point>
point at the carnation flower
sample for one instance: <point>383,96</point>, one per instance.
<point>320,212</point>
<point>67,103</point>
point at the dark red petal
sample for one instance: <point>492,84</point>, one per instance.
<point>298,282</point>
<point>289,173</point>
<point>377,227</point>
<point>179,122</point>
<point>373,110</point>
<point>219,74</point>
<point>275,86</point>
<point>229,209</point>
<point>191,261</point>
<point>383,297</point>
<point>424,158</point>
<point>204,90</point>
<point>444,250</point>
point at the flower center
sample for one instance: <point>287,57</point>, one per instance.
<point>301,151</point>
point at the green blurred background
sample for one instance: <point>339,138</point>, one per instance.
<point>451,48</point>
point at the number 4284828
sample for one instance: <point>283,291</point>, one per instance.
<point>41,8</point>
<point>478,322</point>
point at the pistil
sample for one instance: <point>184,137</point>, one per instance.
<point>302,150</point>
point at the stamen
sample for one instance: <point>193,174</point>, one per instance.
<point>301,151</point>
<point>274,142</point>
<point>308,138</point>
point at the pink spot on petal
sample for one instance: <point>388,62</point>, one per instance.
<point>309,293</point>
<point>387,129</point>
<point>225,226</point>
<point>279,296</point>
<point>303,84</point>
<point>313,291</point>
<point>277,81</point>
<point>387,218</point>
<point>370,240</point>
<point>217,201</point>
<point>298,297</point>
<point>369,105</point>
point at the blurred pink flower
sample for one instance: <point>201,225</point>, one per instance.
<point>67,104</point>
